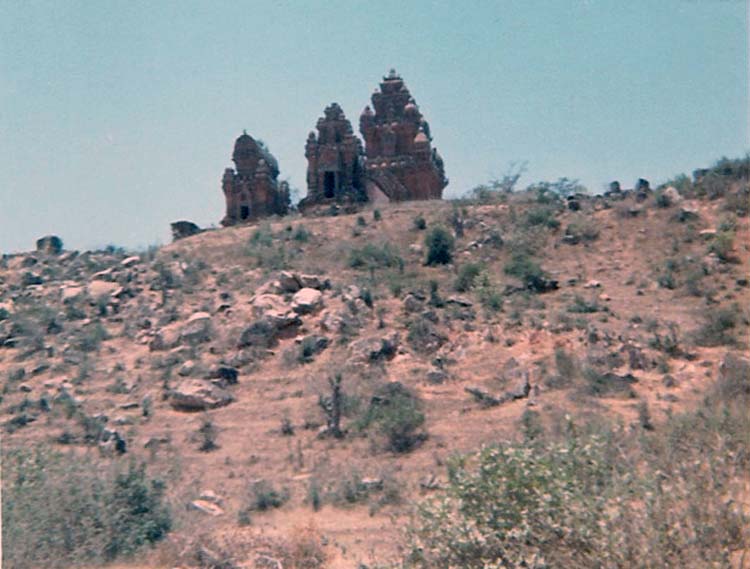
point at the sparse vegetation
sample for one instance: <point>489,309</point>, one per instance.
<point>59,511</point>
<point>372,257</point>
<point>579,501</point>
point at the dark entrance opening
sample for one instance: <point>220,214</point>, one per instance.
<point>244,212</point>
<point>329,184</point>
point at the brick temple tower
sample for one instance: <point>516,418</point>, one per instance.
<point>334,160</point>
<point>252,189</point>
<point>400,161</point>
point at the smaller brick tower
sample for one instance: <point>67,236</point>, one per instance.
<point>334,160</point>
<point>252,189</point>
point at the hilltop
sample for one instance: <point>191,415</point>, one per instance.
<point>221,360</point>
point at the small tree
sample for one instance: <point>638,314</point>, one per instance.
<point>332,405</point>
<point>439,243</point>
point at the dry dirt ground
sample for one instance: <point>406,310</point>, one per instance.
<point>616,275</point>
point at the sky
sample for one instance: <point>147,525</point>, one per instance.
<point>117,118</point>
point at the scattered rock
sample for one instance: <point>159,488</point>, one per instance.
<point>98,289</point>
<point>672,195</point>
<point>130,261</point>
<point>206,507</point>
<point>164,339</point>
<point>183,228</point>
<point>49,245</point>
<point>224,375</point>
<point>412,303</point>
<point>436,376</point>
<point>460,301</point>
<point>375,348</point>
<point>288,282</point>
<point>30,278</point>
<point>197,329</point>
<point>307,300</point>
<point>198,395</point>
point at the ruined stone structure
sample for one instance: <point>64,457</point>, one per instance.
<point>252,189</point>
<point>400,161</point>
<point>334,160</point>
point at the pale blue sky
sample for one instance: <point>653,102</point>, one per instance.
<point>117,118</point>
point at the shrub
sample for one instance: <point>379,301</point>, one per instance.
<point>541,216</point>
<point>372,257</point>
<point>376,216</point>
<point>489,296</point>
<point>467,276</point>
<point>567,368</point>
<point>59,511</point>
<point>266,497</point>
<point>395,413</point>
<point>528,271</point>
<point>582,306</point>
<point>597,497</point>
<point>439,244</point>
<point>722,245</point>
<point>207,434</point>
<point>582,228</point>
<point>419,222</point>
<point>717,328</point>
<point>301,234</point>
<point>517,506</point>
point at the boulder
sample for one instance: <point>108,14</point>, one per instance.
<point>263,302</point>
<point>49,244</point>
<point>197,329</point>
<point>460,301</point>
<point>30,278</point>
<point>412,303</point>
<point>224,375</point>
<point>164,339</point>
<point>436,376</point>
<point>183,228</point>
<point>312,281</point>
<point>672,195</point>
<point>206,507</point>
<point>288,282</point>
<point>98,289</point>
<point>375,348</point>
<point>260,334</point>
<point>339,321</point>
<point>130,261</point>
<point>307,300</point>
<point>70,292</point>
<point>198,395</point>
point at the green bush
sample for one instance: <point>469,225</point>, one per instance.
<point>395,414</point>
<point>582,228</point>
<point>718,327</point>
<point>420,223</point>
<point>528,271</point>
<point>597,497</point>
<point>372,257</point>
<point>722,245</point>
<point>467,276</point>
<point>439,243</point>
<point>541,216</point>
<point>582,306</point>
<point>62,511</point>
